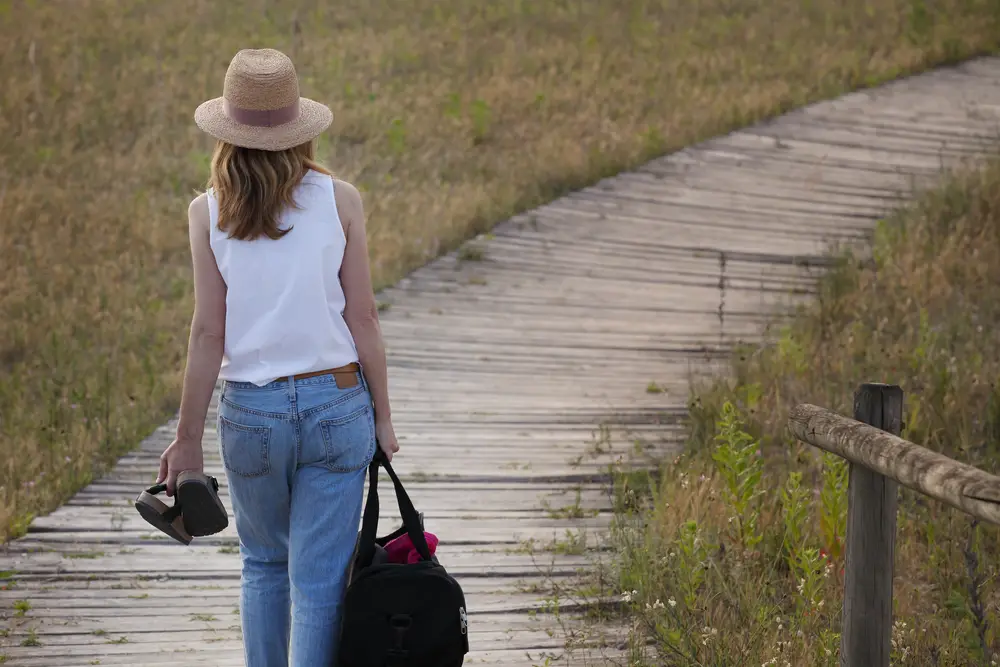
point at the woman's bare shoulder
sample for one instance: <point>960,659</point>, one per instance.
<point>198,211</point>
<point>346,191</point>
<point>349,204</point>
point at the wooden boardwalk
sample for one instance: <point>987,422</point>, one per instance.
<point>505,361</point>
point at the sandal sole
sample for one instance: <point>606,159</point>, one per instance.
<point>152,509</point>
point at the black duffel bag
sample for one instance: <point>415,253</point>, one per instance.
<point>395,615</point>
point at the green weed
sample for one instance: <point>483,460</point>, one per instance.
<point>737,458</point>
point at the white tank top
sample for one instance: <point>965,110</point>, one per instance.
<point>284,300</point>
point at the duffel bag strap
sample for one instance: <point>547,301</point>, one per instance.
<point>369,524</point>
<point>411,519</point>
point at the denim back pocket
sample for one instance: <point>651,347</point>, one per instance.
<point>245,448</point>
<point>349,440</point>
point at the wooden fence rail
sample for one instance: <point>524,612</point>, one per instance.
<point>879,461</point>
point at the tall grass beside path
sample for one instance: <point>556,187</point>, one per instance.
<point>736,555</point>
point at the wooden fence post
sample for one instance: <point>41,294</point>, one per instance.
<point>871,536</point>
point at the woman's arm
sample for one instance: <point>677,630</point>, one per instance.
<point>361,311</point>
<point>205,349</point>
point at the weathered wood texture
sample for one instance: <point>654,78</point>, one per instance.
<point>879,461</point>
<point>871,540</point>
<point>518,378</point>
<point>954,483</point>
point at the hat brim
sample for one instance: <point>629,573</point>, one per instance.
<point>314,118</point>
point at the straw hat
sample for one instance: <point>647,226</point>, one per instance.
<point>260,105</point>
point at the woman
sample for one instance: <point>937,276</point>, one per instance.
<point>285,315</point>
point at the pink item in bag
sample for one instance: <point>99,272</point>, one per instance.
<point>401,550</point>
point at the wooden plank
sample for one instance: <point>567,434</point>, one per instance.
<point>957,484</point>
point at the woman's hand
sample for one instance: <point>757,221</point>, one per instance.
<point>386,437</point>
<point>182,454</point>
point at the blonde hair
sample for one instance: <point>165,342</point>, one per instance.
<point>253,187</point>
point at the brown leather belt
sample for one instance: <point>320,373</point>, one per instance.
<point>345,376</point>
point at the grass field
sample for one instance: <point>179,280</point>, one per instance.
<point>450,115</point>
<point>717,572</point>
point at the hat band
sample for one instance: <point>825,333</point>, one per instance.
<point>261,117</point>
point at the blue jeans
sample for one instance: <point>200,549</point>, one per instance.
<point>295,454</point>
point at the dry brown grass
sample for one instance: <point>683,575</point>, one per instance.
<point>450,115</point>
<point>923,313</point>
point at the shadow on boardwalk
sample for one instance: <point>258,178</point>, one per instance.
<point>505,364</point>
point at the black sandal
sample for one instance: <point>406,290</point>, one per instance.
<point>202,509</point>
<point>197,510</point>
